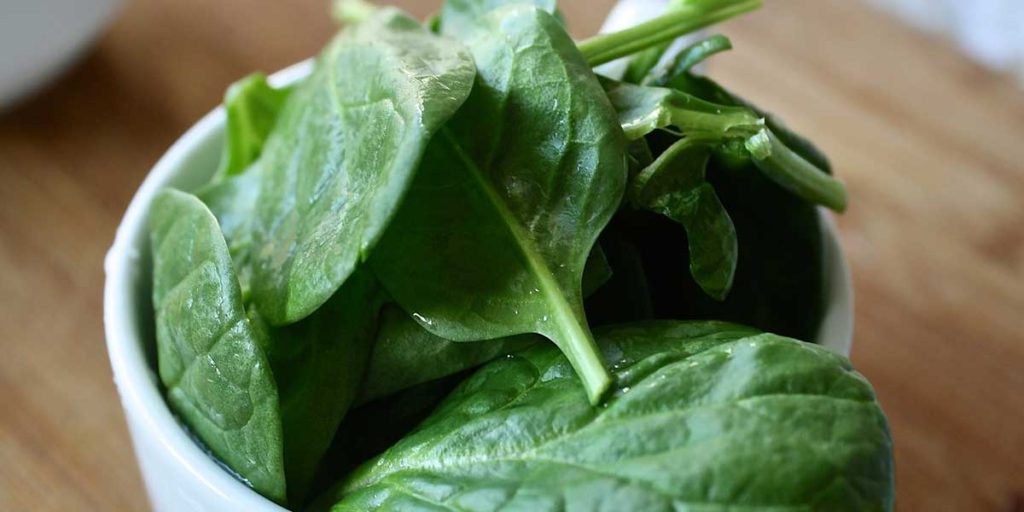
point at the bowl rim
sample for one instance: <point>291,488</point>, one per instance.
<point>137,383</point>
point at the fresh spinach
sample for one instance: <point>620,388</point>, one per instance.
<point>413,219</point>
<point>405,354</point>
<point>233,201</point>
<point>211,359</point>
<point>458,17</point>
<point>706,414</point>
<point>674,185</point>
<point>251,106</point>
<point>343,154</point>
<point>492,239</point>
<point>319,364</point>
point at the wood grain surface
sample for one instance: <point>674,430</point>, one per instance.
<point>931,146</point>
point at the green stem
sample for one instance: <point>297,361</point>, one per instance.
<point>791,171</point>
<point>691,17</point>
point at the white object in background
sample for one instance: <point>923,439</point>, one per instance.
<point>990,31</point>
<point>626,14</point>
<point>39,38</point>
<point>179,476</point>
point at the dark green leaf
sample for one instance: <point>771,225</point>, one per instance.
<point>405,354</point>
<point>627,296</point>
<point>596,272</point>
<point>211,360</point>
<point>779,285</point>
<point>674,186</point>
<point>343,155</point>
<point>493,237</point>
<point>707,415</point>
<point>319,364</point>
<point>252,107</point>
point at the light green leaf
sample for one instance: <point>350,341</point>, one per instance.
<point>343,154</point>
<point>210,358</point>
<point>252,108</point>
<point>708,416</point>
<point>460,17</point>
<point>493,237</point>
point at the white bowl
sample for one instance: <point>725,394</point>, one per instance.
<point>39,38</point>
<point>178,474</point>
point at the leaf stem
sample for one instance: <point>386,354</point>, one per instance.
<point>688,18</point>
<point>792,172</point>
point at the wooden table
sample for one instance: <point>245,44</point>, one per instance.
<point>931,146</point>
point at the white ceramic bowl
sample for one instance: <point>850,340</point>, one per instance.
<point>39,38</point>
<point>180,476</point>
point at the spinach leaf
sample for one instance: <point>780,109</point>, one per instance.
<point>460,17</point>
<point>779,284</point>
<point>343,154</point>
<point>707,415</point>
<point>211,360</point>
<point>362,435</point>
<point>493,237</point>
<point>674,186</point>
<point>405,354</point>
<point>252,107</point>
<point>233,201</point>
<point>319,364</point>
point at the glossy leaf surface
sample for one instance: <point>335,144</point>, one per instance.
<point>344,153</point>
<point>211,360</point>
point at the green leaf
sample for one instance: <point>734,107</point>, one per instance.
<point>252,108</point>
<point>780,281</point>
<point>596,272</point>
<point>343,154</point>
<point>319,364</point>
<point>233,201</point>
<point>643,109</point>
<point>493,237</point>
<point>460,17</point>
<point>210,358</point>
<point>674,186</point>
<point>707,416</point>
<point>405,354</point>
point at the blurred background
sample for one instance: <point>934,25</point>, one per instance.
<point>918,102</point>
